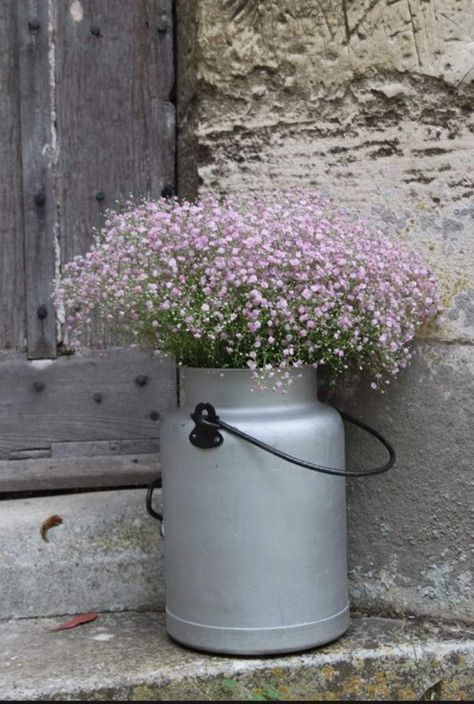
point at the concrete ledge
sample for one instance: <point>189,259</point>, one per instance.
<point>105,556</point>
<point>128,656</point>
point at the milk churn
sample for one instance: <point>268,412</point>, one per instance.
<point>254,545</point>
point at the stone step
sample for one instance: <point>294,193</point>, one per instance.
<point>106,555</point>
<point>128,656</point>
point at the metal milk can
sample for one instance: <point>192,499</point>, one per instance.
<point>255,547</point>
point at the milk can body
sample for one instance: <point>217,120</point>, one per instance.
<point>255,548</point>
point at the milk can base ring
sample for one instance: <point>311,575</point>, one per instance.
<point>257,641</point>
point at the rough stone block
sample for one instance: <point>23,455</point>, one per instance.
<point>128,657</point>
<point>370,103</point>
<point>411,530</point>
<point>104,556</point>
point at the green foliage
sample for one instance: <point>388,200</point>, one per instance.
<point>261,694</point>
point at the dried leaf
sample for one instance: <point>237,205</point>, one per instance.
<point>76,621</point>
<point>49,523</point>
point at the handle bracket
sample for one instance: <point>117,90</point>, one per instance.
<point>205,435</point>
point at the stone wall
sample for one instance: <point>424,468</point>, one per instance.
<point>371,101</point>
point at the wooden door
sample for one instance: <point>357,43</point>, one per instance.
<point>87,118</point>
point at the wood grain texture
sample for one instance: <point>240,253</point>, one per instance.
<point>160,85</point>
<point>77,473</point>
<point>37,157</point>
<point>114,70</point>
<point>94,448</point>
<point>87,119</point>
<point>83,399</point>
<point>12,273</point>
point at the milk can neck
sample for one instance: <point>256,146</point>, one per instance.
<point>233,388</point>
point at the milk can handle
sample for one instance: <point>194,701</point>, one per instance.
<point>206,435</point>
<point>155,484</point>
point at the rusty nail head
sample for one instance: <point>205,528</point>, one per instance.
<point>40,198</point>
<point>141,380</point>
<point>97,397</point>
<point>42,311</point>
<point>154,415</point>
<point>162,24</point>
<point>167,191</point>
<point>38,386</point>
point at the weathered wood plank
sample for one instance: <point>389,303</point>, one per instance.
<point>160,109</point>
<point>31,453</point>
<point>77,473</point>
<point>94,81</point>
<point>117,395</point>
<point>38,154</point>
<point>114,73</point>
<point>139,446</point>
<point>12,273</point>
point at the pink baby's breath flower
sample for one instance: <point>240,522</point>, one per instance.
<point>204,281</point>
<point>254,326</point>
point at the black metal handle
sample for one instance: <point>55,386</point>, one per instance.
<point>212,423</point>
<point>155,484</point>
<point>206,436</point>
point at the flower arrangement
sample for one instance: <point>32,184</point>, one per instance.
<point>266,281</point>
